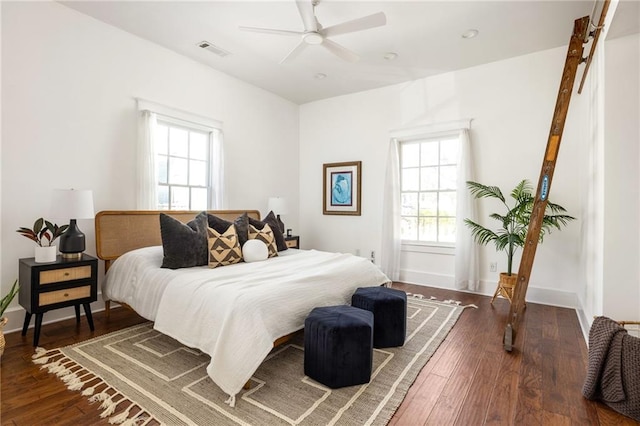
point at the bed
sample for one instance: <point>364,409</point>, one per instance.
<point>233,313</point>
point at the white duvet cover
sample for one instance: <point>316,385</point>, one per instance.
<point>235,313</point>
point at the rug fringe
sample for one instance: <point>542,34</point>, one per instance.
<point>39,358</point>
<point>136,420</point>
<point>121,417</point>
<point>72,374</point>
<point>448,301</point>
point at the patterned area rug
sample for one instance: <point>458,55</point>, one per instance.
<point>139,376</point>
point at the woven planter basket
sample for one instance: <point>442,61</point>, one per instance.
<point>3,321</point>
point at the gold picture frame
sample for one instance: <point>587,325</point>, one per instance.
<point>342,188</point>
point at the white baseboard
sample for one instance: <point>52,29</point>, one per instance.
<point>585,324</point>
<point>16,316</point>
<point>544,296</point>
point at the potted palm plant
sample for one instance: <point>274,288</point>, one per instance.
<point>514,224</point>
<point>43,233</point>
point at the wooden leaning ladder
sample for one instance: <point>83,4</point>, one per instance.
<point>574,58</point>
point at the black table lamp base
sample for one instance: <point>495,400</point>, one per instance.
<point>72,242</point>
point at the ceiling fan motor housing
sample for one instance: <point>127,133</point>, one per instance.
<point>313,38</point>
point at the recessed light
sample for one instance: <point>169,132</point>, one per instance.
<point>470,33</point>
<point>390,56</point>
<point>320,76</point>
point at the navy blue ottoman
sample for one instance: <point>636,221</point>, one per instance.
<point>338,349</point>
<point>389,307</point>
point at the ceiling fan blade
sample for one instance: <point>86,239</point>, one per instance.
<point>305,7</point>
<point>295,52</point>
<point>272,31</point>
<point>372,21</point>
<point>339,51</point>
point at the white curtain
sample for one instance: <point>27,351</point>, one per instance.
<point>217,171</point>
<point>390,253</point>
<point>146,197</point>
<point>466,254</point>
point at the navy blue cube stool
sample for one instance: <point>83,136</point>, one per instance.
<point>338,346</point>
<point>389,307</point>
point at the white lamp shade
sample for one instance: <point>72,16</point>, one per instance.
<point>72,204</point>
<point>278,205</point>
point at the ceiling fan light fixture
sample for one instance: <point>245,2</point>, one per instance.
<point>320,76</point>
<point>313,38</point>
<point>390,56</point>
<point>470,33</point>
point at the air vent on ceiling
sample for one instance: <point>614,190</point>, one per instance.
<point>213,48</point>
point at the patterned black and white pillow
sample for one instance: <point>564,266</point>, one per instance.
<point>266,236</point>
<point>224,248</point>
<point>271,220</point>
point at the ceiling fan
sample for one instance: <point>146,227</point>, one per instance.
<point>315,34</point>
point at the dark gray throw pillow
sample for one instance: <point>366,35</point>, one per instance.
<point>221,225</point>
<point>272,221</point>
<point>184,246</point>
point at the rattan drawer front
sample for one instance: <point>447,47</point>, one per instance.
<point>65,274</point>
<point>291,243</point>
<point>51,297</point>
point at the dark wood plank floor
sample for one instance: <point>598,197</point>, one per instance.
<point>470,380</point>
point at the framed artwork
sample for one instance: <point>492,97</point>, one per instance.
<point>341,188</point>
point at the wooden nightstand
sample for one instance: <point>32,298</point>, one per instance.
<point>48,286</point>
<point>292,241</point>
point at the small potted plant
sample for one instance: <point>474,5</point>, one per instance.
<point>44,233</point>
<point>514,225</point>
<point>4,304</point>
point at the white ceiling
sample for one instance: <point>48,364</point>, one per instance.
<point>426,35</point>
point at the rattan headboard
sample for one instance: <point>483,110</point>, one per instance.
<point>120,231</point>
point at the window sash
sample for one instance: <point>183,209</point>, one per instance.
<point>174,189</point>
<point>430,221</point>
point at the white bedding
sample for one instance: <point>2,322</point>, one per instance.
<point>137,279</point>
<point>235,313</point>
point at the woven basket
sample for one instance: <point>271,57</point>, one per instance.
<point>3,321</point>
<point>506,286</point>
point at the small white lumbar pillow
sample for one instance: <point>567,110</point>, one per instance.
<point>254,251</point>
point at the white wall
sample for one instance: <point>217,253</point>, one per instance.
<point>511,103</point>
<point>69,120</point>
<point>621,292</point>
<point>611,237</point>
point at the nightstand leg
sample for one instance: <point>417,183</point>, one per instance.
<point>27,320</point>
<point>77,313</point>
<point>87,311</point>
<point>36,333</point>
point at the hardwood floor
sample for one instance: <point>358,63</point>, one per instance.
<point>470,380</point>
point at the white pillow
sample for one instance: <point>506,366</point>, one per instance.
<point>254,251</point>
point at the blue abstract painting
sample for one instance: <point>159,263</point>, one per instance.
<point>341,188</point>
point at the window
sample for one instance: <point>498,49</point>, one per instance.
<point>428,181</point>
<point>182,166</point>
<point>180,160</point>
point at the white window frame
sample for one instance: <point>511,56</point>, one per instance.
<point>429,132</point>
<point>188,121</point>
<point>171,122</point>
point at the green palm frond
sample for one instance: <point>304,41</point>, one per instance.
<point>522,192</point>
<point>480,234</point>
<point>479,190</point>
<point>555,208</point>
<point>498,217</point>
